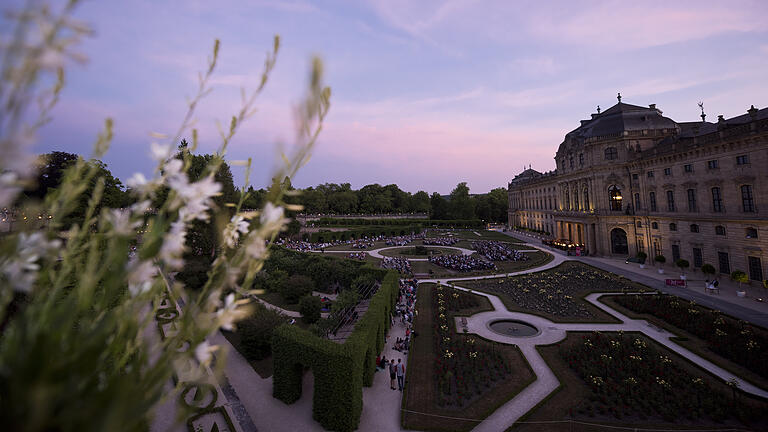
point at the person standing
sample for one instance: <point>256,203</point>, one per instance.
<point>392,374</point>
<point>400,372</point>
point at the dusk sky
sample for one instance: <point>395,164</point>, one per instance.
<point>425,94</point>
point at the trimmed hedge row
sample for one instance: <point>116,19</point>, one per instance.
<point>340,370</point>
<point>466,223</point>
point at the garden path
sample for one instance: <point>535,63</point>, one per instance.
<point>551,332</point>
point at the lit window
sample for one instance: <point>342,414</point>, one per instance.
<point>614,194</point>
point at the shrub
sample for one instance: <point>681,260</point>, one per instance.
<point>740,277</point>
<point>309,306</point>
<point>708,269</point>
<point>642,256</point>
<point>683,264</point>
<point>296,287</point>
<point>276,280</point>
<point>661,259</point>
<point>256,332</point>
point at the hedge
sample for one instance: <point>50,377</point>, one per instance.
<point>341,222</point>
<point>340,370</point>
<point>358,233</point>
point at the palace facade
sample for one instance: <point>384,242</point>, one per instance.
<point>630,179</point>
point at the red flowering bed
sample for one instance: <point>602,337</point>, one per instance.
<point>735,340</point>
<point>629,377</point>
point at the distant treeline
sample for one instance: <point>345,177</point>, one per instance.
<point>456,223</point>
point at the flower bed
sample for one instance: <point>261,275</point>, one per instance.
<point>735,340</point>
<point>556,292</point>
<point>465,366</point>
<point>628,377</point>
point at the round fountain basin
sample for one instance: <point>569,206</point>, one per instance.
<point>513,328</point>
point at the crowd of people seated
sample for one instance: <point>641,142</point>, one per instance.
<point>361,244</point>
<point>397,263</point>
<point>365,243</point>
<point>462,263</point>
<point>441,241</point>
<point>403,240</point>
<point>357,255</point>
<point>498,251</point>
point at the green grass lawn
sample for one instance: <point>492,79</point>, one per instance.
<point>421,391</point>
<point>574,395</point>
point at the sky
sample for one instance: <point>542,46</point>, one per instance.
<point>425,94</point>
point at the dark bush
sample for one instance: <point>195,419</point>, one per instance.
<point>296,287</point>
<point>309,306</point>
<point>256,332</point>
<point>194,275</point>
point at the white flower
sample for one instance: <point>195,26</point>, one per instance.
<point>140,276</point>
<point>8,188</point>
<point>160,152</point>
<point>20,270</point>
<point>121,222</point>
<point>272,217</point>
<point>257,247</point>
<point>173,245</point>
<point>236,226</point>
<point>203,352</point>
<point>231,312</point>
<point>51,59</point>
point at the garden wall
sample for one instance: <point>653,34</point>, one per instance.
<point>340,370</point>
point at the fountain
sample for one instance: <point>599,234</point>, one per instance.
<point>513,328</point>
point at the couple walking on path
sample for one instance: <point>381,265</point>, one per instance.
<point>396,371</point>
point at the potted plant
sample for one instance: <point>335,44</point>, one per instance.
<point>740,277</point>
<point>661,260</point>
<point>708,269</point>
<point>641,257</point>
<point>683,264</point>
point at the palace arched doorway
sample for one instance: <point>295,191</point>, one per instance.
<point>619,241</point>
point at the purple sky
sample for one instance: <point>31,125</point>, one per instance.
<point>425,94</point>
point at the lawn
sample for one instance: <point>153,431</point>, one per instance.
<point>468,378</point>
<point>733,344</point>
<point>348,247</point>
<point>375,261</point>
<point>557,294</point>
<point>470,235</point>
<point>630,381</point>
<point>409,252</point>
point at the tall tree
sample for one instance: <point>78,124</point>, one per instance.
<point>460,205</point>
<point>420,202</point>
<point>439,207</point>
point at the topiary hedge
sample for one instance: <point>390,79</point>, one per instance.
<point>340,370</point>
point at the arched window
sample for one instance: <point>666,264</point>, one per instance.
<point>567,200</point>
<point>673,226</point>
<point>581,159</point>
<point>694,228</point>
<point>639,224</point>
<point>652,200</point>
<point>611,153</point>
<point>570,162</point>
<point>655,225</point>
<point>586,199</point>
<point>751,233</point>
<point>614,195</point>
<point>720,230</point>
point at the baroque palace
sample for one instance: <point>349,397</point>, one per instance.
<point>630,180</point>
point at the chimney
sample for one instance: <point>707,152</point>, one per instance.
<point>720,118</point>
<point>752,112</point>
<point>652,106</point>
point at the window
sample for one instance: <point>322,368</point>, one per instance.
<point>751,233</point>
<point>723,263</point>
<point>652,200</point>
<point>713,164</point>
<point>720,230</point>
<point>635,177</point>
<point>611,153</point>
<point>614,195</point>
<point>671,200</point>
<point>637,201</point>
<point>755,269</point>
<point>747,200</point>
<point>586,199</point>
<point>567,200</point>
<point>691,200</point>
<point>697,259</point>
<point>655,225</point>
<point>694,228</point>
<point>675,252</point>
<point>717,200</point>
<point>742,160</point>
<point>640,245</point>
<point>688,168</point>
<point>673,226</point>
<point>570,162</point>
<point>667,171</point>
<point>649,174</point>
<point>576,200</point>
<point>581,159</point>
<point>639,224</point>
